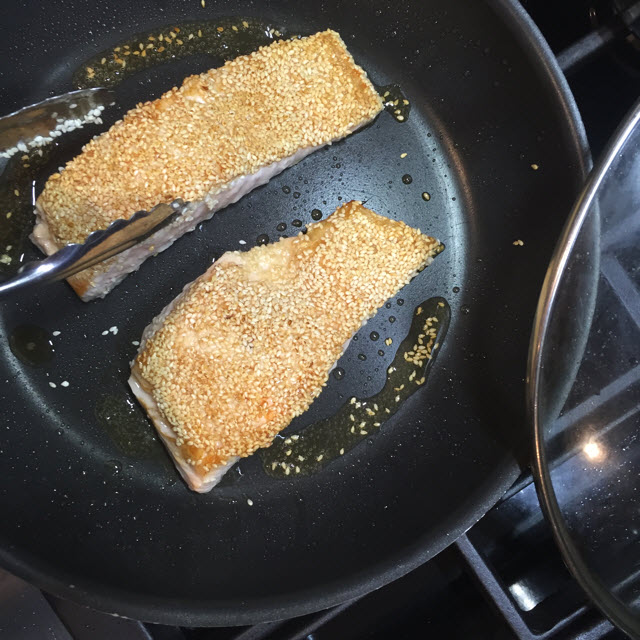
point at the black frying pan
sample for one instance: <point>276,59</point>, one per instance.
<point>97,513</point>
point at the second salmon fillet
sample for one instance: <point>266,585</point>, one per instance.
<point>249,345</point>
<point>217,137</point>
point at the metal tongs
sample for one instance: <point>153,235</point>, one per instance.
<point>35,125</point>
<point>99,246</point>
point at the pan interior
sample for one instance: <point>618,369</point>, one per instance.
<point>122,531</point>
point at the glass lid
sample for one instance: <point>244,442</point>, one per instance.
<point>584,384</point>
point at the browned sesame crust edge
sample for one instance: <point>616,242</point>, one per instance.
<point>249,345</point>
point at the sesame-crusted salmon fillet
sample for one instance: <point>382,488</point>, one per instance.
<point>249,345</point>
<point>209,142</point>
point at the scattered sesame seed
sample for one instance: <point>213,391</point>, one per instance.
<point>245,24</point>
<point>220,29</point>
<point>518,243</point>
<point>288,452</point>
<point>52,385</point>
<point>341,452</point>
<point>363,433</point>
<point>242,242</point>
<point>371,412</point>
<point>202,3</point>
<point>535,167</point>
<point>352,417</point>
<point>287,471</point>
<point>105,332</point>
<point>273,466</point>
<point>113,330</point>
<point>352,401</point>
<point>400,118</point>
<point>388,342</point>
<point>199,33</point>
<point>319,458</point>
<point>297,469</point>
<point>55,333</point>
<point>9,214</point>
<point>103,60</point>
<point>65,383</point>
<point>419,311</point>
<point>250,502</point>
<point>353,429</point>
<point>135,343</point>
<point>234,27</point>
<point>296,437</point>
<point>16,192</point>
<point>376,424</point>
<point>397,398</point>
<point>403,155</point>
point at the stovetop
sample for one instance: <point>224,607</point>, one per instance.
<point>505,578</point>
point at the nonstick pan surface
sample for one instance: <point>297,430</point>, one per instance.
<point>92,508</point>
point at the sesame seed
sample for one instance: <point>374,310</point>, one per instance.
<point>400,118</point>
<point>535,167</point>
<point>363,433</point>
<point>250,502</point>
<point>288,452</point>
<point>319,458</point>
<point>403,155</point>
<point>296,437</point>
<point>287,471</point>
<point>9,214</point>
<point>388,342</point>
<point>220,29</point>
<point>234,27</point>
<point>202,2</point>
<point>341,452</point>
<point>104,333</point>
<point>55,333</point>
<point>16,192</point>
<point>52,385</point>
<point>297,469</point>
<point>65,383</point>
<point>397,398</point>
<point>135,343</point>
<point>245,24</point>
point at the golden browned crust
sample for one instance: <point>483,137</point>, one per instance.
<point>250,344</point>
<point>223,124</point>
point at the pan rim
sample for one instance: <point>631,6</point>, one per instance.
<point>208,613</point>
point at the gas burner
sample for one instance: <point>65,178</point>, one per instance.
<point>617,22</point>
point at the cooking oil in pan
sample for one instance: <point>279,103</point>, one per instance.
<point>360,418</point>
<point>127,427</point>
<point>16,206</point>
<point>224,38</point>
<point>395,102</point>
<point>31,344</point>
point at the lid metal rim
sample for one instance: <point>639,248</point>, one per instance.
<point>592,585</point>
